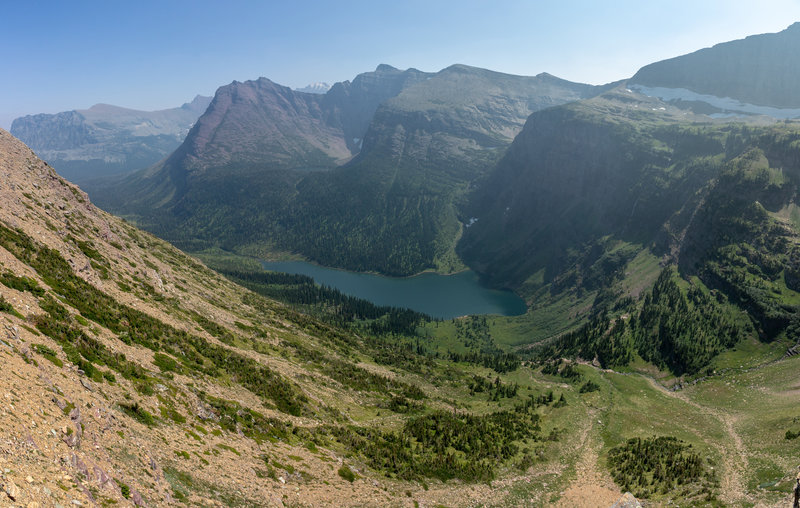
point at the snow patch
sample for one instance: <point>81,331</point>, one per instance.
<point>730,107</point>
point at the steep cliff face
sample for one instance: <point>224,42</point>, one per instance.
<point>260,122</point>
<point>762,70</point>
<point>353,105</point>
<point>575,174</point>
<point>105,139</point>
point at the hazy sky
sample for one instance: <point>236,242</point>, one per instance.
<point>61,55</point>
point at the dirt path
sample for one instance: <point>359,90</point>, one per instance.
<point>732,484</point>
<point>591,487</point>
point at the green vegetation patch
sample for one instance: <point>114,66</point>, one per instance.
<point>48,353</point>
<point>347,473</point>
<point>5,306</point>
<point>166,363</point>
<point>328,303</point>
<point>447,445</point>
<point>234,418</point>
<point>660,465</point>
<point>138,413</point>
<point>682,330</point>
<point>353,376</point>
<point>21,283</point>
<point>195,353</point>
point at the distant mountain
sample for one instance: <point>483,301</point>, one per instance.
<point>757,75</point>
<point>262,124</point>
<point>254,175</point>
<point>105,139</point>
<point>318,87</point>
<point>395,208</point>
<point>256,141</point>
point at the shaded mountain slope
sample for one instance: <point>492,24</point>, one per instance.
<point>395,208</point>
<point>590,189</point>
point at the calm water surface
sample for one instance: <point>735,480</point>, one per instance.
<point>441,296</point>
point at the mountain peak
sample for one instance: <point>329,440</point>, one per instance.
<point>460,68</point>
<point>106,139</point>
<point>386,68</point>
<point>319,87</point>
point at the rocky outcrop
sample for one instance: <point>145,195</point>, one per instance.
<point>627,501</point>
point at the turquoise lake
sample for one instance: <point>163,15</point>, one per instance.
<point>440,296</point>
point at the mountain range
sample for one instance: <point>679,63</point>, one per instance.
<point>318,87</point>
<point>104,139</point>
<point>365,177</point>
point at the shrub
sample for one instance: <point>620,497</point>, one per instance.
<point>347,473</point>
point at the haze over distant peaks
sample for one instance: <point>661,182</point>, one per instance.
<point>319,87</point>
<point>262,123</point>
<point>106,139</point>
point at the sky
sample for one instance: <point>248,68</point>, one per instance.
<point>156,54</point>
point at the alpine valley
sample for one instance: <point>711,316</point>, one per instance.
<point>652,226</point>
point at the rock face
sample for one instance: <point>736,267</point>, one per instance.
<point>12,491</point>
<point>104,139</point>
<point>761,70</point>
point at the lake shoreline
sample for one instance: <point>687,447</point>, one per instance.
<point>442,296</point>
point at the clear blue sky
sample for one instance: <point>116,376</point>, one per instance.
<point>60,55</point>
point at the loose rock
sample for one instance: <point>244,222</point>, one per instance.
<point>12,491</point>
